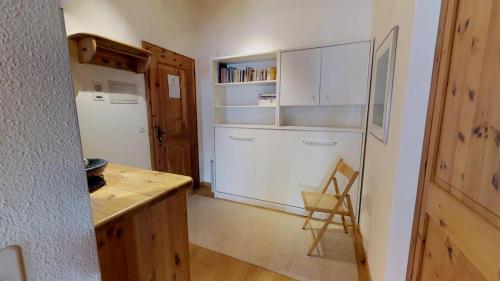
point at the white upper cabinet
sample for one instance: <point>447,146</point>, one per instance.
<point>300,77</point>
<point>344,74</point>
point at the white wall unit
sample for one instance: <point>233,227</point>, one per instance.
<point>344,74</point>
<point>267,155</point>
<point>300,77</point>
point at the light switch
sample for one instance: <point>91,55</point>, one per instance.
<point>11,264</point>
<point>97,97</point>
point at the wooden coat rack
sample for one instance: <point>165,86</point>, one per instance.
<point>103,51</point>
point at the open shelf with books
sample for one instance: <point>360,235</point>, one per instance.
<point>248,83</point>
<point>244,90</point>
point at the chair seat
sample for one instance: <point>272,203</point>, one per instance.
<point>319,202</point>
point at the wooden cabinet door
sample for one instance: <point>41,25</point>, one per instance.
<point>112,241</point>
<point>457,236</point>
<point>300,77</point>
<point>151,244</point>
<point>344,74</point>
<point>161,241</point>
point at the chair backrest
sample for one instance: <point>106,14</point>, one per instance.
<point>348,172</point>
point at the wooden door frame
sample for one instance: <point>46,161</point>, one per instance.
<point>147,46</point>
<point>442,59</point>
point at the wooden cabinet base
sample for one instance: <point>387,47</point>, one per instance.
<point>150,244</point>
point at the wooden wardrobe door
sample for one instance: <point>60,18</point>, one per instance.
<point>458,234</point>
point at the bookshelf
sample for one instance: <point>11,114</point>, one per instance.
<point>239,82</point>
<point>242,84</point>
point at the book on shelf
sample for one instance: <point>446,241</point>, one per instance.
<point>267,99</point>
<point>229,74</point>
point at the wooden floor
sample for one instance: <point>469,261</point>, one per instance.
<point>204,190</point>
<point>207,265</point>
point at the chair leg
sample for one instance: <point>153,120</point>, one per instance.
<point>320,234</point>
<point>344,225</point>
<point>307,219</point>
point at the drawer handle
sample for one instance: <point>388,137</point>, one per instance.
<point>309,142</point>
<point>242,138</point>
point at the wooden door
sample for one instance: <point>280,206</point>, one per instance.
<point>172,113</point>
<point>457,224</point>
<point>344,74</point>
<point>300,77</point>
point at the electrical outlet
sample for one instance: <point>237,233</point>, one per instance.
<point>11,264</point>
<point>142,130</point>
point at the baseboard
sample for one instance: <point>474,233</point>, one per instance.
<point>205,189</point>
<point>261,203</point>
<point>206,184</point>
<point>362,259</point>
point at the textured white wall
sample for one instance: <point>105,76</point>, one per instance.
<point>44,202</point>
<point>391,171</point>
<point>229,27</point>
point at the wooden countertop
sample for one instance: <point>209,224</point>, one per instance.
<point>129,188</point>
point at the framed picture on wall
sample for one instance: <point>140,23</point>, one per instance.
<point>381,90</point>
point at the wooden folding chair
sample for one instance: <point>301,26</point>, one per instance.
<point>332,204</point>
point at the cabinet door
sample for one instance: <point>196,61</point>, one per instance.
<point>159,248</point>
<point>312,155</point>
<point>112,240</point>
<point>236,155</point>
<point>300,77</point>
<point>344,74</point>
<point>248,163</point>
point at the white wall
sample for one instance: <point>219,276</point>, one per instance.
<point>391,171</point>
<point>207,28</point>
<point>229,27</point>
<point>111,131</point>
<point>167,23</point>
<point>44,201</point>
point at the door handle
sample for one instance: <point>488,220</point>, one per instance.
<point>242,138</point>
<point>159,135</point>
<point>311,142</point>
